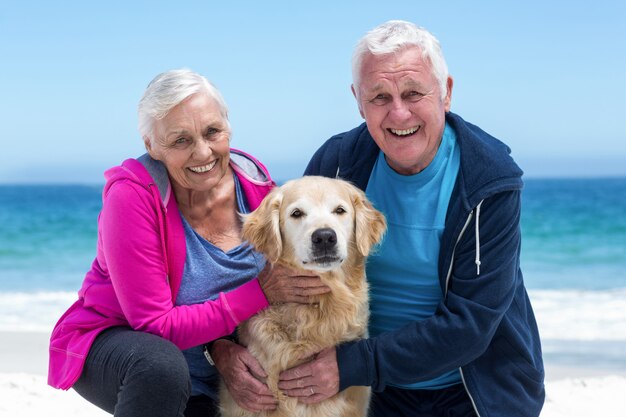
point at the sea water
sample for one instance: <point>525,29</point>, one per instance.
<point>573,259</point>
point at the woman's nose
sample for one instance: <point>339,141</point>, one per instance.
<point>203,149</point>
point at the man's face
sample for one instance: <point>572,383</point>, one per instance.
<point>400,100</point>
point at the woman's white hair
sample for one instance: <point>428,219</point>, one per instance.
<point>169,89</point>
<point>393,35</point>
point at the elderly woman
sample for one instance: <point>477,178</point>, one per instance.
<point>171,272</point>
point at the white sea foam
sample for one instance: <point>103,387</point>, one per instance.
<point>37,312</point>
<point>581,315</point>
<point>562,315</point>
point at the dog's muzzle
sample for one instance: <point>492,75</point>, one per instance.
<point>324,245</point>
<point>324,240</point>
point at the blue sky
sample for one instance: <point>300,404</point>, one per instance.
<point>546,77</point>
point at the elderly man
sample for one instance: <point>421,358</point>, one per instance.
<point>452,331</point>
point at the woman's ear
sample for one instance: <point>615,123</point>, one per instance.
<point>147,142</point>
<point>262,227</point>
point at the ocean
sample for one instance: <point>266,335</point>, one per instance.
<point>573,259</point>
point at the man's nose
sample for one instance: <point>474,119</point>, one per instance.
<point>400,110</point>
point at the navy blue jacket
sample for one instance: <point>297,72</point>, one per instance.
<point>484,324</point>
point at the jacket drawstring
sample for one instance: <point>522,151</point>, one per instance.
<point>477,233</point>
<point>161,212</point>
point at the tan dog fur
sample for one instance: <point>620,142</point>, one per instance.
<point>282,335</point>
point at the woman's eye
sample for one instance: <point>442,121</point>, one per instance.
<point>340,210</point>
<point>296,213</point>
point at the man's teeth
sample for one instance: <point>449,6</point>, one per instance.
<point>404,132</point>
<point>204,168</point>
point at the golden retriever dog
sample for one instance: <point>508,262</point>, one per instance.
<point>323,225</point>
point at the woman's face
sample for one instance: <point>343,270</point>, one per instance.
<point>193,141</point>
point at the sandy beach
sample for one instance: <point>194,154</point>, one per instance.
<point>571,391</point>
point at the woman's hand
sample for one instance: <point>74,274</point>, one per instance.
<point>243,376</point>
<point>312,381</point>
<point>285,285</point>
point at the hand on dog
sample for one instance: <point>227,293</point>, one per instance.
<point>312,381</point>
<point>242,375</point>
<point>285,285</point>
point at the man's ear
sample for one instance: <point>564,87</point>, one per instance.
<point>358,102</point>
<point>447,101</point>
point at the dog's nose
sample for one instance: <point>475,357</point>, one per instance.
<point>325,238</point>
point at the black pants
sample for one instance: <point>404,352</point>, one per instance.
<point>129,373</point>
<point>448,402</point>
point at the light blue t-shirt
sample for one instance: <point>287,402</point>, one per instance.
<point>208,271</point>
<point>402,272</point>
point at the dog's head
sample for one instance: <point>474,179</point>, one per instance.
<point>314,223</point>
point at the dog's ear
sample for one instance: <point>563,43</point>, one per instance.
<point>262,227</point>
<point>370,224</point>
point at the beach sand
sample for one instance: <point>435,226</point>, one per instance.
<point>570,391</point>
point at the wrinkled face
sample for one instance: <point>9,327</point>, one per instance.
<point>192,141</point>
<point>317,226</point>
<point>400,100</point>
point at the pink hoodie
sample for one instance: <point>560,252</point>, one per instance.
<point>139,265</point>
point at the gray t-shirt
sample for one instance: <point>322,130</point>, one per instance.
<point>209,271</point>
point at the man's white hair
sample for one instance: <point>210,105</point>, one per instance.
<point>393,35</point>
<point>169,89</point>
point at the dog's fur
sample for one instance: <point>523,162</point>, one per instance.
<point>286,229</point>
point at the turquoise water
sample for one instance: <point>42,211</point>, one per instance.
<point>47,236</point>
<point>574,233</point>
<point>573,258</point>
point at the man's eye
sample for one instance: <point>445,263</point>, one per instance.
<point>181,141</point>
<point>380,98</point>
<point>296,213</point>
<point>413,95</point>
<point>340,210</point>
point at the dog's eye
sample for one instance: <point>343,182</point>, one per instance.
<point>340,210</point>
<point>297,213</point>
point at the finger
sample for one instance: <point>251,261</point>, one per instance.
<point>301,299</point>
<point>308,291</point>
<point>293,273</point>
<point>257,404</point>
<point>253,401</point>
<point>254,366</point>
<point>264,400</point>
<point>256,387</point>
<point>300,371</point>
<point>252,397</point>
<point>307,282</point>
<point>298,393</point>
<point>305,274</point>
<point>305,393</point>
<point>298,383</point>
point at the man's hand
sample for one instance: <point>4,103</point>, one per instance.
<point>312,381</point>
<point>242,374</point>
